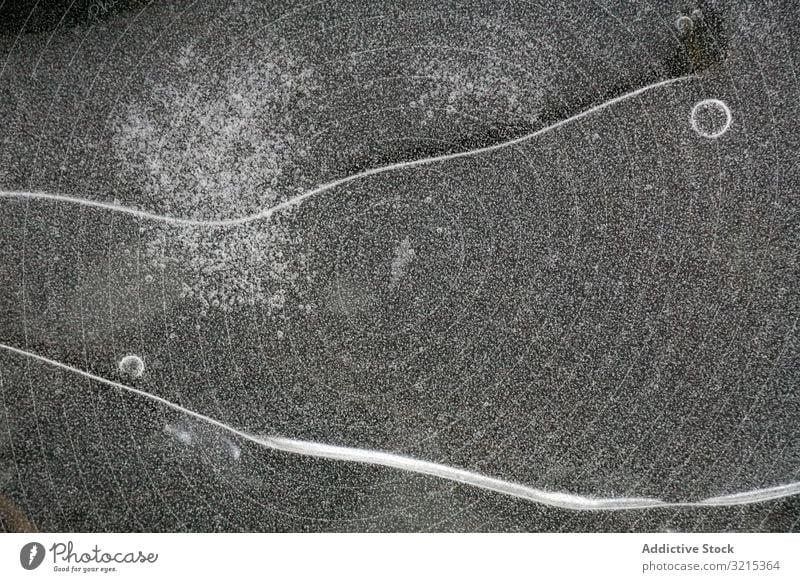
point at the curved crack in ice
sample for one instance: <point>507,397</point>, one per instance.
<point>410,464</point>
<point>300,198</point>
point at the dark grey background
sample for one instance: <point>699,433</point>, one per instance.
<point>608,309</point>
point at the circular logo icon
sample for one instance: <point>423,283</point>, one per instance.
<point>31,555</point>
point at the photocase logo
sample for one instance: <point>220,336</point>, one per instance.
<point>31,555</point>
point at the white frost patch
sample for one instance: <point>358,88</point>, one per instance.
<point>403,255</point>
<point>207,143</point>
<point>236,452</point>
<point>181,434</point>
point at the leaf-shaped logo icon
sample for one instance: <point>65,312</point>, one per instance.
<point>31,555</point>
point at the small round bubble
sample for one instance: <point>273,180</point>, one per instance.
<point>710,118</point>
<point>131,366</point>
<point>684,24</point>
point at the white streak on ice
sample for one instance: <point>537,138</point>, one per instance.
<point>300,198</point>
<point>394,461</point>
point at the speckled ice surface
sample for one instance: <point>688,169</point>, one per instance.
<point>369,266</point>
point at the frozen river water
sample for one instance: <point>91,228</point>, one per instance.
<point>378,266</point>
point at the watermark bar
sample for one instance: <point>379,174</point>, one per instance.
<point>354,557</point>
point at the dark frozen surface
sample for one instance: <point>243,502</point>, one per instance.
<point>609,309</point>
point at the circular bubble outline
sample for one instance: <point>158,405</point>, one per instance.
<point>131,365</point>
<point>715,104</point>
